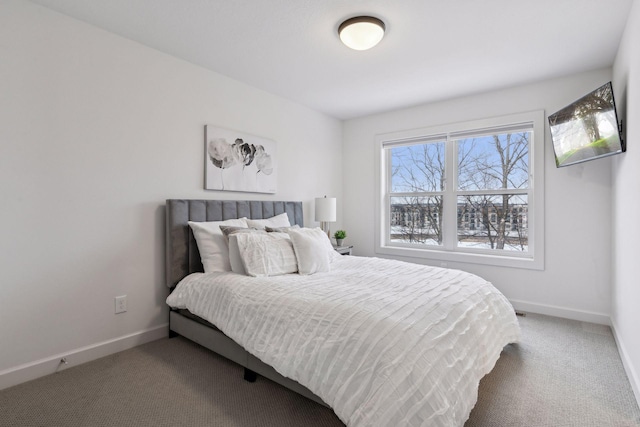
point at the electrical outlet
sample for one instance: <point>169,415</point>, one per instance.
<point>121,304</point>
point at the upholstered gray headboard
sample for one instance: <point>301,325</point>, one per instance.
<point>182,256</point>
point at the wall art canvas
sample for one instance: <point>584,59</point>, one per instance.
<point>236,161</point>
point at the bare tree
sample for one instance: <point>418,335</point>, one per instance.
<point>420,169</point>
<point>501,165</point>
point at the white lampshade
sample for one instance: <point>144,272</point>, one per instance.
<point>326,209</point>
<point>361,32</point>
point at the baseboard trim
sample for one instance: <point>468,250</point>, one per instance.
<point>564,312</point>
<point>49,365</point>
<point>634,379</point>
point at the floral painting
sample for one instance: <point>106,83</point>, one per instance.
<point>239,162</point>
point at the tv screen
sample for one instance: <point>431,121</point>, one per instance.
<point>587,129</point>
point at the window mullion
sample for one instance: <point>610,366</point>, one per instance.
<point>386,232</point>
<point>498,192</point>
<point>416,194</point>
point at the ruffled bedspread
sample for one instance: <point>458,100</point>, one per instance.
<point>383,342</point>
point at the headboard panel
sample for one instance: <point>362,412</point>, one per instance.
<point>182,256</point>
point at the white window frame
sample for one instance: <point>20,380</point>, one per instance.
<point>532,259</point>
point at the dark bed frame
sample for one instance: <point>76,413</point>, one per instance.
<point>183,258</point>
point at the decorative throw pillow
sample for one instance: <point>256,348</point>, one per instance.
<point>235,259</point>
<point>280,229</point>
<point>227,230</point>
<point>266,254</point>
<point>212,245</point>
<point>281,220</point>
<point>312,248</point>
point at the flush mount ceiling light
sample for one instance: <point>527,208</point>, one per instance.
<point>361,32</point>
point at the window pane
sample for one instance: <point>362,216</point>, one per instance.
<point>417,168</point>
<point>494,162</point>
<point>493,222</point>
<point>416,220</point>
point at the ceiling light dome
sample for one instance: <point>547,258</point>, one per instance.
<point>361,32</point>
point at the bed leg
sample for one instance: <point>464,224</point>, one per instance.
<point>173,334</point>
<point>249,375</point>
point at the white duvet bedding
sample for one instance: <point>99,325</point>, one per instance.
<point>383,342</point>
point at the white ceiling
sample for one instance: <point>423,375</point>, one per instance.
<point>432,50</point>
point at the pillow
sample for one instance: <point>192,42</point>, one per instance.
<point>227,230</point>
<point>280,229</point>
<point>266,254</point>
<point>235,259</point>
<point>214,250</point>
<point>312,248</point>
<point>234,256</point>
<point>281,220</point>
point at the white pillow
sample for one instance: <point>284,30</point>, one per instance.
<point>213,247</point>
<point>281,220</point>
<point>234,256</point>
<point>313,250</point>
<point>266,254</point>
<point>234,252</point>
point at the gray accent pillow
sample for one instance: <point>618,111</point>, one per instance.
<point>234,252</point>
<point>281,229</point>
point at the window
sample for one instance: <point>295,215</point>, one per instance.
<point>465,192</point>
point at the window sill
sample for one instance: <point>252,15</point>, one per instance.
<point>529,263</point>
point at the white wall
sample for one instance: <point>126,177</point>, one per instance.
<point>576,279</point>
<point>95,133</point>
<point>626,202</point>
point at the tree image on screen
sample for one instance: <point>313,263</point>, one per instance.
<point>586,129</point>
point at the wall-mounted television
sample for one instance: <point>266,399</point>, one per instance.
<point>587,129</point>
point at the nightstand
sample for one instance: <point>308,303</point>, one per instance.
<point>343,250</point>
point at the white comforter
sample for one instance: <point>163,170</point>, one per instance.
<point>383,342</point>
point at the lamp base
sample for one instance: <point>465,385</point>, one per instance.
<point>324,226</point>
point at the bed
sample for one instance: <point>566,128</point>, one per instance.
<point>381,342</point>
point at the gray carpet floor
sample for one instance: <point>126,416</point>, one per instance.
<point>563,373</point>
